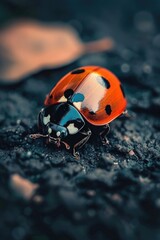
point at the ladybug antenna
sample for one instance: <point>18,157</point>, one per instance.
<point>38,135</point>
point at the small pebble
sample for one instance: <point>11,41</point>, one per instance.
<point>127,139</point>
<point>18,121</point>
<point>158,202</point>
<point>144,180</point>
<point>147,68</point>
<point>117,198</point>
<point>131,153</point>
<point>144,21</point>
<point>91,193</point>
<point>29,154</point>
<point>125,68</point>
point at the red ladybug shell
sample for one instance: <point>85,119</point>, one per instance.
<point>95,92</point>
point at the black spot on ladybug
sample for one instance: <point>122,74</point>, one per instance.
<point>78,71</point>
<point>103,81</point>
<point>78,97</point>
<point>92,113</point>
<point>108,109</point>
<point>78,123</point>
<point>50,96</point>
<point>68,93</point>
<point>122,91</point>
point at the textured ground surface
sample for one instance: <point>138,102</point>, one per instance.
<point>111,192</point>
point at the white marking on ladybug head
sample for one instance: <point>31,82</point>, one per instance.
<point>58,133</point>
<point>49,130</point>
<point>46,119</point>
<point>62,99</point>
<point>72,129</point>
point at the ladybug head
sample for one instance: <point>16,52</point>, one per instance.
<point>49,128</point>
<point>58,121</point>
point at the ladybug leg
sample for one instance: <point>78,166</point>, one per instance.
<point>67,146</point>
<point>103,134</point>
<point>75,154</point>
<point>126,114</point>
<point>80,143</point>
<point>37,135</point>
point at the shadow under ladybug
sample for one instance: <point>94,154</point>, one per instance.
<point>82,103</point>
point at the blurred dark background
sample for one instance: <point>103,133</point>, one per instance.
<point>110,193</point>
<point>66,10</point>
<point>118,14</point>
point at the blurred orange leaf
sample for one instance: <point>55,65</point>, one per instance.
<point>26,47</point>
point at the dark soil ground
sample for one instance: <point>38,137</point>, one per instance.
<point>112,192</point>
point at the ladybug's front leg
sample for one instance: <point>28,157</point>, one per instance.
<point>81,143</point>
<point>103,133</point>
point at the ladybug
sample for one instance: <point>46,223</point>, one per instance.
<point>82,103</point>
